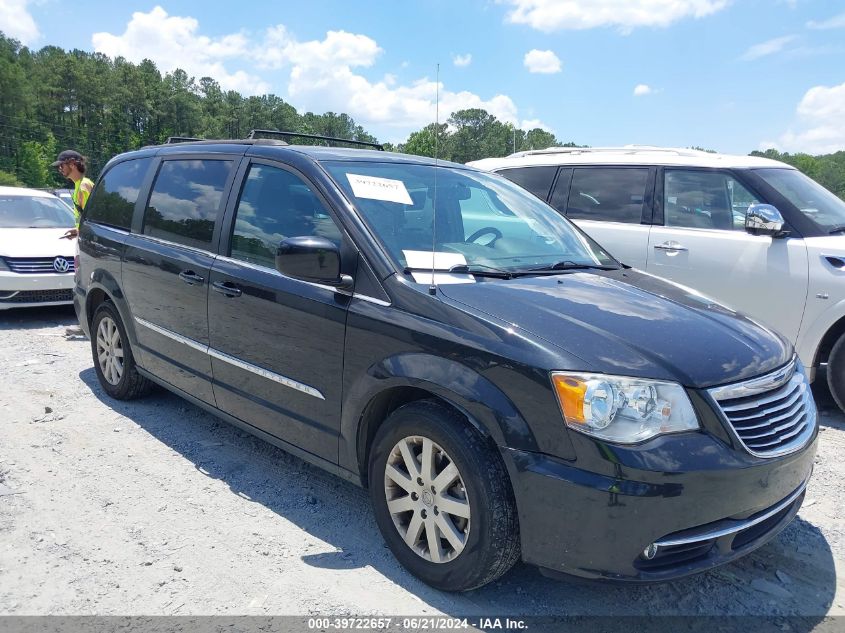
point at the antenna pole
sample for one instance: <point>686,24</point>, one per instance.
<point>432,289</point>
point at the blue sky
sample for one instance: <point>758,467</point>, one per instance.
<point>731,75</point>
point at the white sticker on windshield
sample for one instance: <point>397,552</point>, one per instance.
<point>379,189</point>
<point>421,262</point>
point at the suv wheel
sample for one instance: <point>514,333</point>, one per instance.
<point>836,372</point>
<point>113,360</point>
<point>442,498</point>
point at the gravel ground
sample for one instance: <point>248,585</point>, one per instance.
<point>155,507</point>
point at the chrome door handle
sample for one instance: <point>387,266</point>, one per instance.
<point>190,277</point>
<point>227,288</point>
<point>671,246</point>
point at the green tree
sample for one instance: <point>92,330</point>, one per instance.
<point>33,165</point>
<point>423,143</point>
<point>9,180</point>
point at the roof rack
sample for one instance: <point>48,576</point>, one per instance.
<point>252,134</point>
<point>624,149</point>
<point>181,139</point>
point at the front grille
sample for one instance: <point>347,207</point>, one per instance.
<point>772,415</point>
<point>36,265</point>
<point>37,296</point>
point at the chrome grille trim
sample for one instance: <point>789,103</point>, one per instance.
<point>35,265</point>
<point>769,422</point>
<point>737,525</point>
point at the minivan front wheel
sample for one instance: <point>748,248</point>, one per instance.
<point>113,359</point>
<point>442,498</point>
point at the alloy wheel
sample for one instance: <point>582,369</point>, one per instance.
<point>110,350</point>
<point>427,499</point>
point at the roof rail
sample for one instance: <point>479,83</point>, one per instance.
<point>624,149</point>
<point>181,139</point>
<point>252,135</point>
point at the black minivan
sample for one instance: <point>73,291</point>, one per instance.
<point>503,386</point>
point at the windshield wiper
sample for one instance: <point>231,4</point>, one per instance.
<point>836,229</point>
<point>568,265</point>
<point>480,270</point>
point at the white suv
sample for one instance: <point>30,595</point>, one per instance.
<point>36,263</point>
<point>755,234</point>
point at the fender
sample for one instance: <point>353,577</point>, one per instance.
<point>484,404</point>
<point>811,337</point>
<point>104,281</point>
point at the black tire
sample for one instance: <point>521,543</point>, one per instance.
<point>488,536</point>
<point>836,372</point>
<point>123,382</point>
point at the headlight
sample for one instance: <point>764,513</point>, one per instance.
<point>620,409</point>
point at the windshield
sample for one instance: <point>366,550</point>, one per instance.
<point>817,203</point>
<point>22,212</point>
<point>483,222</point>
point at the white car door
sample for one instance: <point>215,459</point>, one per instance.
<point>703,244</point>
<point>608,203</point>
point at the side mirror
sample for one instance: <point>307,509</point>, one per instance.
<point>764,219</point>
<point>314,259</point>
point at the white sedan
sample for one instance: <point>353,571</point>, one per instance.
<point>36,262</point>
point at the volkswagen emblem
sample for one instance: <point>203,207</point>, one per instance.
<point>61,265</point>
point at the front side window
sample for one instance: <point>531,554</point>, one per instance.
<point>276,204</point>
<point>34,212</point>
<point>424,214</point>
<point>186,200</point>
<point>704,200</point>
<point>610,194</point>
<point>113,201</point>
<point>814,201</point>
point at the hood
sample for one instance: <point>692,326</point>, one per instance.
<point>36,243</point>
<point>629,323</point>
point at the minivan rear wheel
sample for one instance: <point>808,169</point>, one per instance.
<point>113,359</point>
<point>836,372</point>
<point>442,498</point>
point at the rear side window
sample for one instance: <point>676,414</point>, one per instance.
<point>537,180</point>
<point>113,200</point>
<point>276,204</point>
<point>186,199</point>
<point>614,194</point>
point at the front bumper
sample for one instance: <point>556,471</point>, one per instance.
<point>723,505</point>
<point>25,291</point>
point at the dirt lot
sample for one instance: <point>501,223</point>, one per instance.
<point>154,507</point>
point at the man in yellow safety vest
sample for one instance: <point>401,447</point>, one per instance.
<point>71,165</point>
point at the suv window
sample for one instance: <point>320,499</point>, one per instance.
<point>185,201</point>
<point>276,204</point>
<point>614,194</point>
<point>537,180</point>
<point>113,200</point>
<point>704,200</point>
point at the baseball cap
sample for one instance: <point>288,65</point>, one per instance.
<point>68,154</point>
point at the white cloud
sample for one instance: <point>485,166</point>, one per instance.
<point>769,47</point>
<point>322,75</point>
<point>820,114</point>
<point>173,42</point>
<point>462,60</point>
<point>17,23</point>
<point>530,124</point>
<point>836,22</point>
<point>542,62</point>
<point>555,15</point>
<point>340,48</point>
<point>640,90</point>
